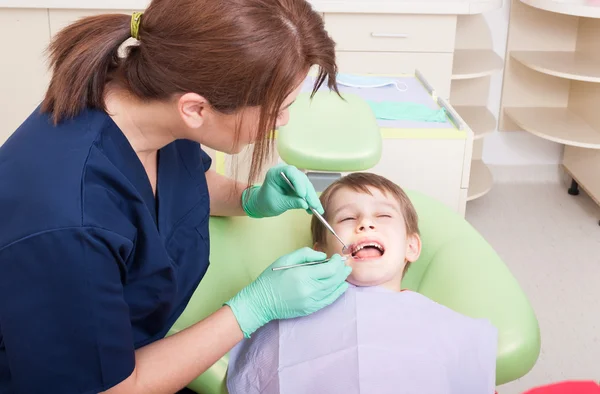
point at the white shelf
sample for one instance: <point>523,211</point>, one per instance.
<point>570,65</point>
<point>556,124</point>
<point>567,7</point>
<point>475,63</point>
<point>551,86</point>
<point>479,119</point>
<point>481,180</point>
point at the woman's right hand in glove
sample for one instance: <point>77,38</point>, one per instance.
<point>292,292</point>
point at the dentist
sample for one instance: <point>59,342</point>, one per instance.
<point>105,194</point>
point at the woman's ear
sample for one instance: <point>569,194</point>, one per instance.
<point>317,247</point>
<point>413,247</point>
<point>192,109</point>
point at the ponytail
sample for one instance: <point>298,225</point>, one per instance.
<point>82,57</point>
<point>236,54</point>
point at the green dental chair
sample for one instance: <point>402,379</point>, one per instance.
<point>457,267</point>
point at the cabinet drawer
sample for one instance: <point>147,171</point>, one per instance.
<point>392,33</point>
<point>436,67</point>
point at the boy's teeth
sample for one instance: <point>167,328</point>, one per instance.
<point>368,250</point>
<point>373,244</point>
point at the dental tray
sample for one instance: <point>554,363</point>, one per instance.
<point>418,91</point>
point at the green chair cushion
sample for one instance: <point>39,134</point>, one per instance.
<point>457,268</point>
<point>330,134</point>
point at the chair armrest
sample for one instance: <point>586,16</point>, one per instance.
<point>468,276</point>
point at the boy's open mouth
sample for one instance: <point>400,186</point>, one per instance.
<point>367,250</point>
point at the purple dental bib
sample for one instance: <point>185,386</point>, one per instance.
<point>370,341</point>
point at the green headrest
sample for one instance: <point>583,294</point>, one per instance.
<point>329,133</point>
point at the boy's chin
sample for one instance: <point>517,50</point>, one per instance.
<point>369,281</point>
<point>389,285</point>
<point>369,276</point>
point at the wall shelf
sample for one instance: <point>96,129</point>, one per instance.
<point>479,118</point>
<point>481,180</point>
<point>577,66</point>
<point>556,124</point>
<point>566,7</point>
<point>551,85</point>
<point>475,63</point>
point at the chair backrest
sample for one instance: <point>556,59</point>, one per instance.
<point>457,268</point>
<point>241,248</point>
<point>328,133</point>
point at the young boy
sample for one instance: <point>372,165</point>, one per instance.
<point>375,339</point>
<point>376,218</point>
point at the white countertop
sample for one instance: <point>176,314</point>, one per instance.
<point>585,8</point>
<point>454,7</point>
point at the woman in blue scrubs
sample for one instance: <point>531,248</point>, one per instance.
<point>106,192</point>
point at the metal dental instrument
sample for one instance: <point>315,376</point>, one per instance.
<point>345,249</point>
<point>303,264</point>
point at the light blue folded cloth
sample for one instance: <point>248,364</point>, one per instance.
<point>387,110</point>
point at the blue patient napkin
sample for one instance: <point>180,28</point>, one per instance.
<point>387,110</point>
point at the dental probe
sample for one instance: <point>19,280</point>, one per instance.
<point>305,264</point>
<point>345,249</point>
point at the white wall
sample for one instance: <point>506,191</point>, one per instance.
<point>512,148</point>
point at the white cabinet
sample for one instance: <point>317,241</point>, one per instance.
<point>24,37</point>
<point>24,75</point>
<point>400,44</point>
<point>431,166</point>
<point>396,39</point>
<point>551,86</point>
<point>394,44</point>
<point>392,32</point>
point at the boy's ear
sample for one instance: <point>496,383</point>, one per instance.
<point>317,247</point>
<point>413,247</point>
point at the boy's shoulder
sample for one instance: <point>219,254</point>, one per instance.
<point>419,309</point>
<point>439,308</point>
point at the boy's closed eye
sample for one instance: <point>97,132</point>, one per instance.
<point>385,215</point>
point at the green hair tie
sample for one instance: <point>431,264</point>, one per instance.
<point>136,18</point>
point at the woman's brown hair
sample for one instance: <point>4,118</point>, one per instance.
<point>235,53</point>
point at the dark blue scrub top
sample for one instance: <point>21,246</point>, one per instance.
<point>92,266</point>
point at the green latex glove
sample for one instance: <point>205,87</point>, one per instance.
<point>275,196</point>
<point>290,293</point>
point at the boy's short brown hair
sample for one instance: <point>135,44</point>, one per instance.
<point>360,182</point>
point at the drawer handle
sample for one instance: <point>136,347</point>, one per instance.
<point>389,35</point>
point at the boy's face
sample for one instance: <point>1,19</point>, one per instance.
<point>375,226</point>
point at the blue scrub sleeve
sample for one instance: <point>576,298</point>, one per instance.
<point>63,317</point>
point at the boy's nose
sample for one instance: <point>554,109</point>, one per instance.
<point>366,226</point>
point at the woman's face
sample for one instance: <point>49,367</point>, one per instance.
<point>218,129</point>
